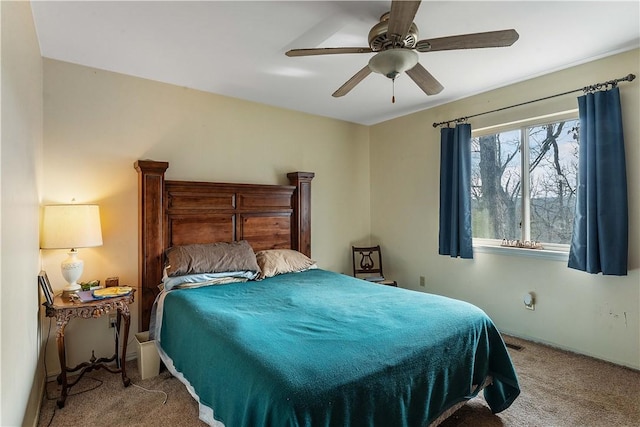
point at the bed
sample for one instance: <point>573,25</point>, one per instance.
<point>302,346</point>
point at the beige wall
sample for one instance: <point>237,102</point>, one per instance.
<point>21,376</point>
<point>98,123</point>
<point>586,313</point>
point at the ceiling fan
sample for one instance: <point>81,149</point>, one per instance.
<point>394,40</point>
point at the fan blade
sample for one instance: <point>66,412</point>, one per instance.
<point>327,51</point>
<point>502,38</point>
<point>352,82</point>
<point>425,80</point>
<point>401,18</point>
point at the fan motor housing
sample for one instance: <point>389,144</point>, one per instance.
<point>379,39</point>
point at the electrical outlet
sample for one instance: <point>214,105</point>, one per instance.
<point>112,320</point>
<point>423,281</point>
<point>529,300</point>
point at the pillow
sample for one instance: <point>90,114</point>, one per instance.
<point>279,261</point>
<point>219,281</point>
<point>206,279</point>
<point>210,258</point>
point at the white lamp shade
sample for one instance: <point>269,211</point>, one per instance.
<point>71,226</point>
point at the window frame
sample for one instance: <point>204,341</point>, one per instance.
<point>552,251</point>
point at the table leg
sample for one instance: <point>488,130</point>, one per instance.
<point>122,361</point>
<point>117,340</point>
<point>62,378</point>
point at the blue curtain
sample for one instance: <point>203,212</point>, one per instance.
<point>600,231</point>
<point>455,238</point>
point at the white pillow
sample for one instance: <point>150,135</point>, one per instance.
<point>280,261</point>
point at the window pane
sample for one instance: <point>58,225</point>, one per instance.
<point>553,169</point>
<point>496,185</point>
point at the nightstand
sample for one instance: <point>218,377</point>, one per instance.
<point>64,310</point>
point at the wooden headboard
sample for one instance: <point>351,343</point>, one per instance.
<point>184,212</point>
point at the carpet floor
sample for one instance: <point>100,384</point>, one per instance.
<point>558,388</point>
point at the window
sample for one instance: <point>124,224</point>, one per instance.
<point>532,203</point>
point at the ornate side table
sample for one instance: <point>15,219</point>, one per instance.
<point>64,310</point>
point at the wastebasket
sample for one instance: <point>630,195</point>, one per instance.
<point>148,357</point>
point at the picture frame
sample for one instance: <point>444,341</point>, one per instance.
<point>45,285</point>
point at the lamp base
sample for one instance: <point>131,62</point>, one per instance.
<point>71,271</point>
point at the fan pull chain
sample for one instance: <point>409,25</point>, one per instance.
<point>393,91</point>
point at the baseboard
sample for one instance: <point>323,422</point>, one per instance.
<point>570,349</point>
<point>32,411</point>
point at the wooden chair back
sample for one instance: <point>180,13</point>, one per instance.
<point>367,264</point>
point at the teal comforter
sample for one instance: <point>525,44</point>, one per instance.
<point>323,349</point>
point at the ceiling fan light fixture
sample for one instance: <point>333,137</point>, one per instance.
<point>392,62</point>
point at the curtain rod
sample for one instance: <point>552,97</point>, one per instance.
<point>597,86</point>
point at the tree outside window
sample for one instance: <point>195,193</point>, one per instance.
<point>536,202</point>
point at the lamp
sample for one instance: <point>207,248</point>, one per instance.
<point>71,226</point>
<point>392,62</point>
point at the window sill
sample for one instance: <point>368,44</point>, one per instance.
<point>555,255</point>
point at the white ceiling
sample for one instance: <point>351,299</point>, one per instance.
<point>236,48</point>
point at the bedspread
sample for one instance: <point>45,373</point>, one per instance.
<point>321,349</point>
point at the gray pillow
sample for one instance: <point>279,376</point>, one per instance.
<point>210,258</point>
